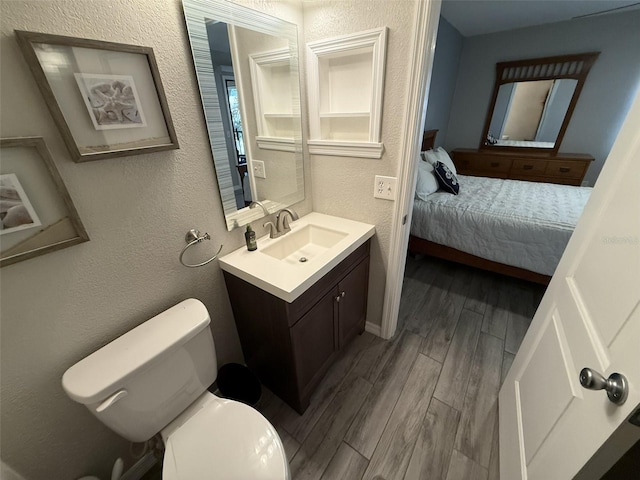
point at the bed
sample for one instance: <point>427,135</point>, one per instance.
<point>513,227</point>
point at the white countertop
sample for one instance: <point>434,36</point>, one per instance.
<point>287,280</point>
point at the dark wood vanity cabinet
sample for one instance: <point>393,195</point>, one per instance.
<point>566,169</point>
<point>290,346</point>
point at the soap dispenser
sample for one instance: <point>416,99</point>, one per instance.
<point>250,237</point>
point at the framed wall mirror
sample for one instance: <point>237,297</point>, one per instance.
<point>533,101</point>
<point>247,69</point>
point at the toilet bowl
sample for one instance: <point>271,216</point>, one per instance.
<point>154,379</point>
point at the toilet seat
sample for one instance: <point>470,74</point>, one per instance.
<point>223,439</point>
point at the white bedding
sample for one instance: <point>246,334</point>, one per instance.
<point>524,224</point>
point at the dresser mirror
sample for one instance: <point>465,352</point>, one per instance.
<point>533,101</point>
<point>247,69</point>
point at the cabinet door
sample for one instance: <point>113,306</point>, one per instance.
<point>353,302</point>
<point>313,339</point>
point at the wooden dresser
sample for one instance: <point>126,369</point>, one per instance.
<point>564,168</point>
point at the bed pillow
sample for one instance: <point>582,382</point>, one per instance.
<point>430,156</point>
<point>439,155</point>
<point>427,183</point>
<point>443,157</point>
<point>446,178</point>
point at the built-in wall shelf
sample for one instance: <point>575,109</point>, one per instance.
<point>273,99</point>
<point>346,84</point>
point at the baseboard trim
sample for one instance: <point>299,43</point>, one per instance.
<point>373,329</point>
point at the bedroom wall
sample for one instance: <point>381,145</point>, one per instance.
<point>343,186</point>
<point>445,70</point>
<point>604,101</point>
<point>60,307</point>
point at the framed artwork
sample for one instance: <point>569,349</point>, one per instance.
<point>16,211</point>
<point>106,98</point>
<point>100,90</point>
<point>37,214</point>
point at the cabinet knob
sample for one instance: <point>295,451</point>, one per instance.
<point>564,169</point>
<point>337,298</point>
<point>342,294</point>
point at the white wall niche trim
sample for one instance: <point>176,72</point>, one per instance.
<point>346,87</point>
<point>346,149</point>
<point>272,86</point>
<point>283,144</point>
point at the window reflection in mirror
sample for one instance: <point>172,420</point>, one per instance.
<point>530,114</point>
<point>224,38</point>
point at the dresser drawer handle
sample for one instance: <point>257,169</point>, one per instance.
<point>564,169</point>
<point>527,167</point>
<point>495,164</point>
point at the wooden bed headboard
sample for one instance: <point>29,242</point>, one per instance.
<point>428,140</point>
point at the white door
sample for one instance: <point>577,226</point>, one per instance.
<point>589,317</point>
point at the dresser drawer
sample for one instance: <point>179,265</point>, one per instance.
<point>565,169</point>
<point>528,167</point>
<point>463,163</point>
<point>495,164</point>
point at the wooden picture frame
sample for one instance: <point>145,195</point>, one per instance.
<point>106,98</point>
<point>29,181</point>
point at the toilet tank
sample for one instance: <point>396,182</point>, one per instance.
<point>142,380</point>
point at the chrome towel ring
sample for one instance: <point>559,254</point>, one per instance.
<point>192,237</point>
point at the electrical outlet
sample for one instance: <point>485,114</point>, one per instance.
<point>385,187</point>
<point>258,169</point>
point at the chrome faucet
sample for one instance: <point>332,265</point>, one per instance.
<point>282,223</point>
<point>259,204</point>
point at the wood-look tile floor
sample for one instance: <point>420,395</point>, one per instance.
<point>422,405</point>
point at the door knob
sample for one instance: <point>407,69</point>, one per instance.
<point>616,385</point>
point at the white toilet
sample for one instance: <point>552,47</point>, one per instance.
<point>155,378</point>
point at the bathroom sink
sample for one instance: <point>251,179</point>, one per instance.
<point>287,266</point>
<point>300,246</point>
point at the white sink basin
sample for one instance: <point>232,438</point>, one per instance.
<point>287,266</point>
<point>302,245</point>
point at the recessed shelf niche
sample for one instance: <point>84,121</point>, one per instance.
<point>346,83</point>
<point>273,95</point>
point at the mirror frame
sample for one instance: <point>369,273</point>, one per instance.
<point>545,68</point>
<point>240,16</point>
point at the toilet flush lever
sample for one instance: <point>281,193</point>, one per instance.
<point>111,400</point>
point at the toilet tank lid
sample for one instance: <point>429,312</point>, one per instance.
<point>100,374</point>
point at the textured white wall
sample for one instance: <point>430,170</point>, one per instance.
<point>343,186</point>
<point>7,473</point>
<point>60,307</point>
